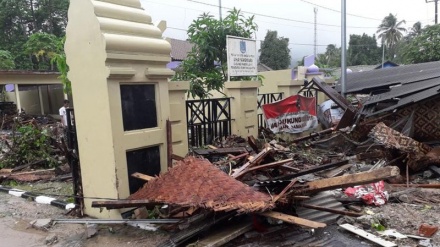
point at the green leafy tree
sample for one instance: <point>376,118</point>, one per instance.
<point>205,66</point>
<point>425,47</point>
<point>275,51</point>
<point>391,32</point>
<point>363,50</point>
<point>19,19</point>
<point>331,58</point>
<point>41,48</point>
<point>60,60</point>
<point>6,60</point>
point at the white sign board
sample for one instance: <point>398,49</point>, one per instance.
<point>242,56</point>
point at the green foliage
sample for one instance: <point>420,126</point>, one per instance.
<point>42,47</point>
<point>363,50</point>
<point>19,19</point>
<point>330,59</point>
<point>275,51</point>
<point>424,47</point>
<point>60,60</point>
<point>29,144</point>
<point>6,60</point>
<point>205,66</point>
<point>391,32</point>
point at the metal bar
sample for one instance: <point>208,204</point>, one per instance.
<point>116,221</point>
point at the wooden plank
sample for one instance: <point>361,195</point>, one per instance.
<point>331,210</point>
<point>429,186</point>
<point>142,176</point>
<point>281,194</point>
<point>253,143</point>
<point>212,147</point>
<point>337,171</point>
<point>257,159</point>
<point>270,165</point>
<point>350,180</point>
<point>225,235</point>
<point>312,170</point>
<point>116,204</point>
<point>369,236</point>
<point>176,157</point>
<point>221,151</point>
<point>293,220</point>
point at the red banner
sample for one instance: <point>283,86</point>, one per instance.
<point>293,114</point>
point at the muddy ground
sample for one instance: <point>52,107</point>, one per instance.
<point>15,230</point>
<point>16,214</point>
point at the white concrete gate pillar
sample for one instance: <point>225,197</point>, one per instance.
<point>117,61</point>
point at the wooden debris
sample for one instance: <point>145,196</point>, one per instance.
<point>293,220</point>
<point>367,235</point>
<point>288,187</point>
<point>212,147</point>
<point>221,151</point>
<point>225,235</point>
<point>337,171</point>
<point>142,176</point>
<point>253,144</point>
<point>176,157</point>
<point>429,186</point>
<point>256,160</point>
<point>116,204</point>
<point>351,179</point>
<point>270,165</point>
<point>314,169</point>
<point>330,210</point>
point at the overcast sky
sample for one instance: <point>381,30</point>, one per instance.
<point>294,19</point>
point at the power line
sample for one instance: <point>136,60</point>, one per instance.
<point>275,17</point>
<point>337,11</point>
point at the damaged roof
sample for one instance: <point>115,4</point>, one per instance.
<point>196,182</point>
<point>382,79</point>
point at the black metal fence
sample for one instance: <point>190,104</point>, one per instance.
<point>263,99</point>
<point>208,119</point>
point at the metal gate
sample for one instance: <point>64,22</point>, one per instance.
<point>263,99</point>
<point>208,119</point>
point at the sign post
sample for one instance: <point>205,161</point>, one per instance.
<point>241,56</point>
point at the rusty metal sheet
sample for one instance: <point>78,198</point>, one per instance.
<point>196,182</point>
<point>333,95</point>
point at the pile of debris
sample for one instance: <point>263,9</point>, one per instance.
<point>32,149</point>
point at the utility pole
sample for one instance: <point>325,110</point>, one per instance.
<point>316,31</point>
<point>436,8</point>
<point>343,48</point>
<point>220,9</point>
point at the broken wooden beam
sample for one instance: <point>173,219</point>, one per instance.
<point>270,165</point>
<point>428,186</point>
<point>331,210</point>
<point>222,151</point>
<point>253,143</point>
<point>142,176</point>
<point>282,193</point>
<point>117,204</point>
<point>350,180</point>
<point>312,170</point>
<point>255,161</point>
<point>293,220</point>
<point>176,157</point>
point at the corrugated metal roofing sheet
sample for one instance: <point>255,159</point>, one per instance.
<point>370,80</point>
<point>403,90</point>
<point>323,199</point>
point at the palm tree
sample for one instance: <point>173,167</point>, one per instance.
<point>416,29</point>
<point>391,32</point>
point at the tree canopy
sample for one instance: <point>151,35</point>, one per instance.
<point>275,51</point>
<point>424,47</point>
<point>6,60</point>
<point>363,50</point>
<point>331,58</point>
<point>205,66</point>
<point>19,19</point>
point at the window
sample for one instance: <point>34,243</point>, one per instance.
<point>138,106</point>
<point>145,161</point>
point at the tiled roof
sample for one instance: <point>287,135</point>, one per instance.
<point>180,49</point>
